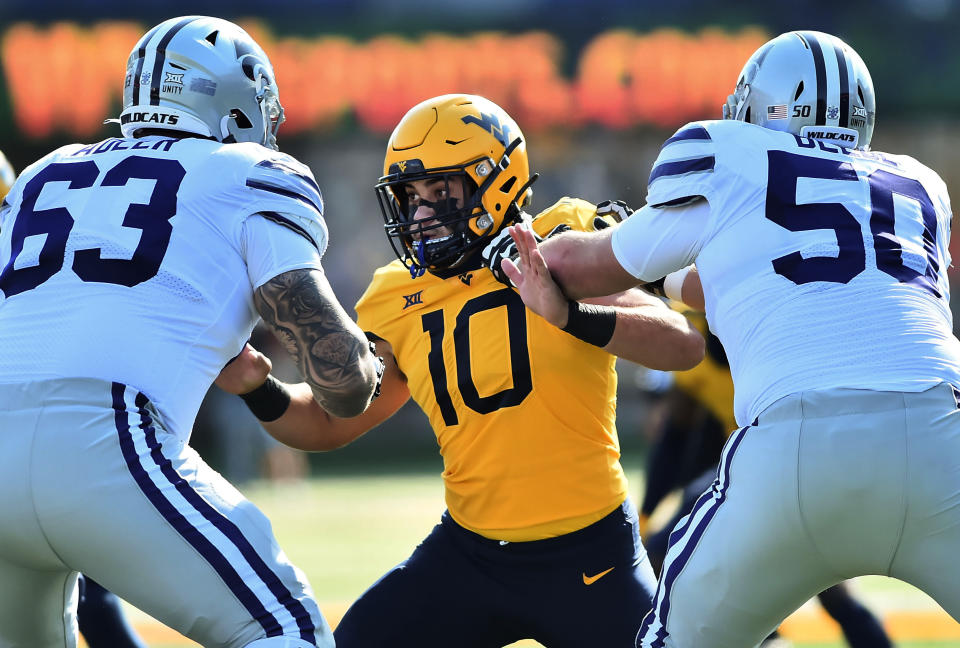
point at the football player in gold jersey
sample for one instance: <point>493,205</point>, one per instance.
<point>539,539</point>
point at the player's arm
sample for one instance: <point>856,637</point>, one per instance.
<point>304,424</point>
<point>653,243</point>
<point>631,324</point>
<point>682,285</point>
<point>648,332</point>
<point>327,346</point>
<point>583,264</point>
<point>691,290</point>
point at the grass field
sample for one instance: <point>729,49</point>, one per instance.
<point>346,531</point>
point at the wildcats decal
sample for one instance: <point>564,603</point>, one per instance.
<point>150,117</point>
<point>830,135</point>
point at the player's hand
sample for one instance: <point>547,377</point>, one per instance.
<point>530,275</point>
<point>502,246</point>
<point>611,212</point>
<point>245,372</point>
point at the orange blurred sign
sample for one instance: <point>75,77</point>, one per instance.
<point>68,78</point>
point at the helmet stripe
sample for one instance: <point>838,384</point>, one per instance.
<point>161,56</point>
<point>821,71</point>
<point>141,55</point>
<point>844,86</point>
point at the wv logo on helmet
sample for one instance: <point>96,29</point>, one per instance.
<point>491,123</point>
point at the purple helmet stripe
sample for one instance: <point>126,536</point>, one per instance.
<point>161,57</point>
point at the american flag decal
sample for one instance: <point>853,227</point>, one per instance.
<point>777,112</point>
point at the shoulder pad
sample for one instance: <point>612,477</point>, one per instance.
<point>683,169</point>
<point>576,213</point>
<point>287,193</point>
<point>283,175</point>
<point>390,293</point>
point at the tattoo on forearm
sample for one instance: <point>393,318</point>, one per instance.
<point>303,312</point>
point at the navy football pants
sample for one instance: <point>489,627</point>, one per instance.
<point>591,587</point>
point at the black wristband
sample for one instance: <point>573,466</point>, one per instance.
<point>591,323</point>
<point>269,401</point>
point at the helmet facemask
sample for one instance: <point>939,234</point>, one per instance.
<point>469,223</point>
<point>271,110</point>
<point>737,105</point>
<point>444,240</point>
<point>237,127</point>
<point>462,140</point>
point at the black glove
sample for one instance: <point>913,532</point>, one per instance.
<point>503,247</point>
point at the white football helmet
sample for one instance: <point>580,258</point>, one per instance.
<point>201,75</point>
<point>810,84</point>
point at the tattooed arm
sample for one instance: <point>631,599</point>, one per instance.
<point>330,350</point>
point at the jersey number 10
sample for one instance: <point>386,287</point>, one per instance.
<point>520,357</point>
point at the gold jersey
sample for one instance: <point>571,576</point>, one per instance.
<point>524,413</point>
<point>710,382</point>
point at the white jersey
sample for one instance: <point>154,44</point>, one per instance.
<point>822,267</point>
<point>135,261</point>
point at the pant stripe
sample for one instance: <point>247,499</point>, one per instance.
<point>683,541</point>
<point>192,534</point>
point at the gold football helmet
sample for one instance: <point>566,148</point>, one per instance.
<point>453,136</point>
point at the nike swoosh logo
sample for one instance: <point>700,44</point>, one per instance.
<point>590,580</point>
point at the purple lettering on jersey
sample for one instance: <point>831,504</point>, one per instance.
<point>84,150</point>
<point>117,144</point>
<point>166,144</point>
<point>105,146</point>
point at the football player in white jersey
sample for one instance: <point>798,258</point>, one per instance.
<point>823,269</point>
<point>99,615</point>
<point>132,270</point>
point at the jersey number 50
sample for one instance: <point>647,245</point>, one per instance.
<point>782,208</point>
<point>153,218</point>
